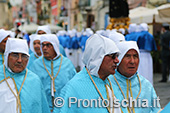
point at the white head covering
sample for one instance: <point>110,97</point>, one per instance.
<point>125,46</point>
<point>3,34</point>
<point>144,27</point>
<point>121,30</point>
<point>138,28</point>
<point>34,37</point>
<point>79,34</point>
<point>132,28</point>
<point>99,32</point>
<point>89,32</point>
<point>11,33</point>
<point>15,45</point>
<point>106,33</point>
<point>96,48</point>
<point>44,28</point>
<point>116,37</point>
<point>53,39</point>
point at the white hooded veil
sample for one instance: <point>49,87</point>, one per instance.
<point>53,39</point>
<point>15,45</point>
<point>3,34</point>
<point>44,28</point>
<point>125,46</point>
<point>116,37</point>
<point>96,48</point>
<point>34,37</point>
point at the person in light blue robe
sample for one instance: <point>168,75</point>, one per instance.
<point>56,66</point>
<point>128,83</point>
<point>18,79</point>
<point>4,35</point>
<point>146,44</point>
<point>1,58</point>
<point>35,48</point>
<point>100,59</point>
<point>45,29</point>
<point>62,51</point>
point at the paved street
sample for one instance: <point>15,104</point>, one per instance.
<point>162,89</point>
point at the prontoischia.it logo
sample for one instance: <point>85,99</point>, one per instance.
<point>59,102</point>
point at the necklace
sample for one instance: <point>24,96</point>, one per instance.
<point>18,93</point>
<point>127,86</point>
<point>52,76</point>
<point>99,91</point>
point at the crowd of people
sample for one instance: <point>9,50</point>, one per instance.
<point>105,65</point>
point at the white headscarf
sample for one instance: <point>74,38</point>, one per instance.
<point>44,28</point>
<point>3,34</point>
<point>11,33</point>
<point>34,37</point>
<point>96,48</point>
<point>99,32</point>
<point>116,37</point>
<point>121,30</point>
<point>79,34</point>
<point>89,32</point>
<point>15,45</point>
<point>53,39</point>
<point>144,27</point>
<point>125,46</point>
<point>132,28</point>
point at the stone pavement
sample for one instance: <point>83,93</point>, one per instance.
<point>162,89</point>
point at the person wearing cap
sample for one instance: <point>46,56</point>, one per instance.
<point>100,59</point>
<point>21,91</point>
<point>127,83</point>
<point>4,35</point>
<point>45,29</point>
<point>35,48</point>
<point>53,68</point>
<point>165,52</point>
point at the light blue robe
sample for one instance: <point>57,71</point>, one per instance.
<point>1,58</point>
<point>81,87</point>
<point>30,51</point>
<point>147,91</point>
<point>32,96</point>
<point>32,58</point>
<point>62,51</point>
<point>66,73</point>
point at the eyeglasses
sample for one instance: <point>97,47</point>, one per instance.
<point>113,55</point>
<point>48,45</point>
<point>15,56</point>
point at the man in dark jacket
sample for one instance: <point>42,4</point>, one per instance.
<point>165,53</point>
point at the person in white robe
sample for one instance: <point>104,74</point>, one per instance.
<point>21,91</point>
